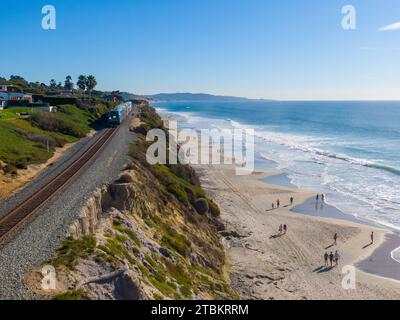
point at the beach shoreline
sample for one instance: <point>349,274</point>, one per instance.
<point>266,265</point>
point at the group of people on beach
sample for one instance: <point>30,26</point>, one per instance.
<point>282,229</point>
<point>332,257</point>
<point>322,196</point>
<point>278,203</point>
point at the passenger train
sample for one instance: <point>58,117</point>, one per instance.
<point>119,114</point>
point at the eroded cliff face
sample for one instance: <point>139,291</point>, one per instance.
<point>142,238</point>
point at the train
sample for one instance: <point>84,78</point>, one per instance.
<point>119,113</point>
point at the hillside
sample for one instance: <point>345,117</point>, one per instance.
<point>152,234</point>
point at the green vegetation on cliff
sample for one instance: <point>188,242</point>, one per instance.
<point>166,247</point>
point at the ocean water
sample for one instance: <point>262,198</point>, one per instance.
<point>348,150</point>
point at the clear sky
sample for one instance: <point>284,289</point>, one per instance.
<point>286,49</point>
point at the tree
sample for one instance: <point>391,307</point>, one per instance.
<point>18,80</point>
<point>53,83</point>
<point>81,82</point>
<point>68,84</point>
<point>91,83</point>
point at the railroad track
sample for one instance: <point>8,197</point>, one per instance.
<point>25,211</point>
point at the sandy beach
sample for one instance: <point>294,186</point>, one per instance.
<point>266,265</point>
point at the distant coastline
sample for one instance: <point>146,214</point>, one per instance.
<point>197,97</point>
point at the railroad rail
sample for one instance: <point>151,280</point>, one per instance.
<point>16,218</point>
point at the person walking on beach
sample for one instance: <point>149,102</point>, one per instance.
<point>273,206</point>
<point>291,201</point>
<point>372,237</point>
<point>331,258</point>
<point>278,203</point>
<point>337,257</point>
<point>317,198</point>
<point>284,229</point>
<point>280,229</point>
<point>326,257</point>
<point>323,197</point>
<point>335,239</point>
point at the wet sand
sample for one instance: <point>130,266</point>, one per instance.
<point>280,180</point>
<point>323,209</point>
<point>380,262</point>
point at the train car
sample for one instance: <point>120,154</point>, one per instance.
<point>120,112</point>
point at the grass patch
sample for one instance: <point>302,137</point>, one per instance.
<point>70,120</point>
<point>117,250</point>
<point>72,295</point>
<point>186,292</point>
<point>149,222</point>
<point>162,286</point>
<point>13,113</point>
<point>179,184</point>
<point>128,232</point>
<point>23,142</point>
<point>156,266</point>
<point>179,273</point>
<point>71,250</point>
<point>26,141</point>
<point>172,240</point>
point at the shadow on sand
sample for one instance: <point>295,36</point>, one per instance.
<point>275,236</point>
<point>368,245</point>
<point>323,269</point>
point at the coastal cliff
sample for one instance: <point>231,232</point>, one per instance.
<point>152,234</point>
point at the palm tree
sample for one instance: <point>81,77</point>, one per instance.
<point>82,82</point>
<point>91,83</point>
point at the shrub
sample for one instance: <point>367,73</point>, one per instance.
<point>55,122</point>
<point>201,206</point>
<point>178,192</point>
<point>214,209</point>
<point>22,165</point>
<point>10,169</point>
<point>43,141</point>
<point>54,100</point>
<point>185,172</point>
<point>175,241</point>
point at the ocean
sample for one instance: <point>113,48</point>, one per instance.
<point>348,150</point>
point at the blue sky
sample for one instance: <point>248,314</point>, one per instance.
<point>287,49</point>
